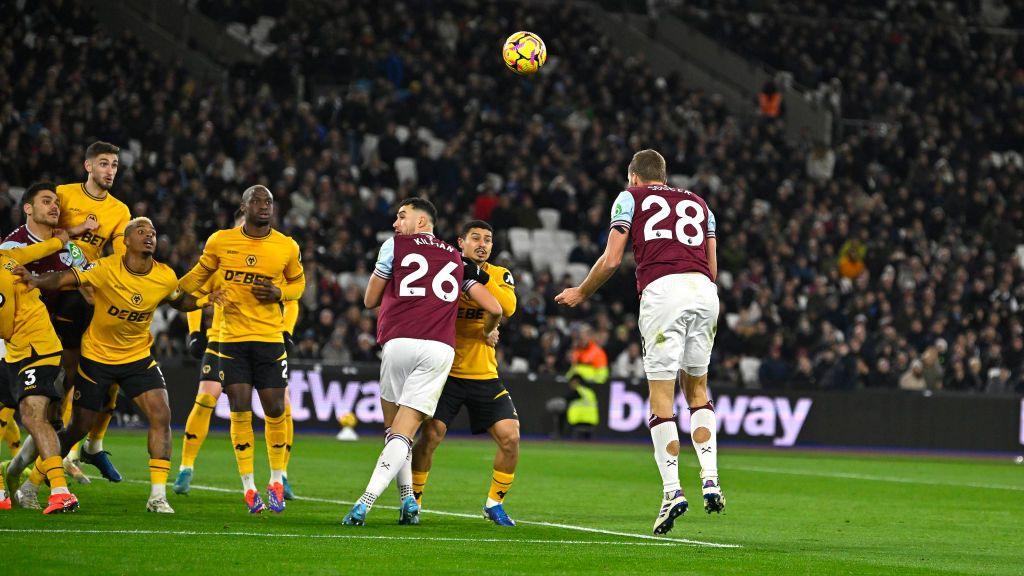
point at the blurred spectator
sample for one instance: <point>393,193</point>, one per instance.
<point>769,101</point>
<point>629,363</point>
<point>589,360</point>
<point>913,378</point>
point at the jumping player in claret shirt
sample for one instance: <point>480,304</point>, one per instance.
<point>676,264</point>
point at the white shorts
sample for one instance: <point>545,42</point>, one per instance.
<point>413,372</point>
<point>678,321</point>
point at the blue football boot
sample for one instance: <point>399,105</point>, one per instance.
<point>356,516</point>
<point>183,483</point>
<point>409,513</point>
<point>101,460</point>
<point>498,515</point>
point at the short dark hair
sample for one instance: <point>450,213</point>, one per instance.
<point>247,195</point>
<point>30,195</point>
<point>475,224</point>
<point>649,166</point>
<point>422,205</point>
<point>97,148</point>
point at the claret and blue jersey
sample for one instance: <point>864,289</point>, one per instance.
<point>669,227</point>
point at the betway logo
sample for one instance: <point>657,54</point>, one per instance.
<point>776,418</point>
<point>313,399</point>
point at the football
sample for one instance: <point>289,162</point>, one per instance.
<point>524,53</point>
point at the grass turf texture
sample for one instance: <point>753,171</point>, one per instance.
<point>789,512</point>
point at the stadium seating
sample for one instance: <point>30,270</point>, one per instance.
<point>933,194</point>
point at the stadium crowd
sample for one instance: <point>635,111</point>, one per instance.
<point>885,260</point>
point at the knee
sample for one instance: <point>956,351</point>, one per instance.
<point>432,437</point>
<point>508,441</point>
<point>274,409</point>
<point>239,403</point>
<point>160,419</point>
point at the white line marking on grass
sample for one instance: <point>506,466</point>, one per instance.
<point>674,541</point>
<point>869,477</point>
<point>329,536</point>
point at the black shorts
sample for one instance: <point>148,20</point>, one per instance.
<point>29,378</point>
<point>209,367</point>
<point>487,402</point>
<point>92,390</point>
<point>6,390</point>
<point>260,364</point>
<point>71,318</point>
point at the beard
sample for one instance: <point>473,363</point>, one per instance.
<point>46,220</point>
<point>103,185</point>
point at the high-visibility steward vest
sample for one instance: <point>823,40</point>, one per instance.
<point>583,410</point>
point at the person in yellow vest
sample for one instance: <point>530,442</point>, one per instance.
<point>582,414</point>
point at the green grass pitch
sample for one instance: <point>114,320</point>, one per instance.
<point>583,509</point>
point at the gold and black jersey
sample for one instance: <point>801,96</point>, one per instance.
<point>124,304</point>
<point>24,322</point>
<point>474,359</point>
<point>238,260</point>
<point>76,205</point>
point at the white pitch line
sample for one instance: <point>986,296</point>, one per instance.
<point>872,478</point>
<point>327,536</point>
<point>480,516</point>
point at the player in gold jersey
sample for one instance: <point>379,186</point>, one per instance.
<point>474,383</point>
<point>259,268</point>
<point>204,344</point>
<point>33,355</point>
<point>116,346</point>
<point>82,202</point>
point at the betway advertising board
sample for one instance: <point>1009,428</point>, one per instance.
<point>319,394</point>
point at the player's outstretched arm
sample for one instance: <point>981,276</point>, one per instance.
<point>32,252</point>
<point>603,269</point>
<point>48,281</point>
<point>208,263</point>
<point>185,302</point>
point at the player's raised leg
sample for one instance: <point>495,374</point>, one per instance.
<point>156,408</point>
<point>665,437</point>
